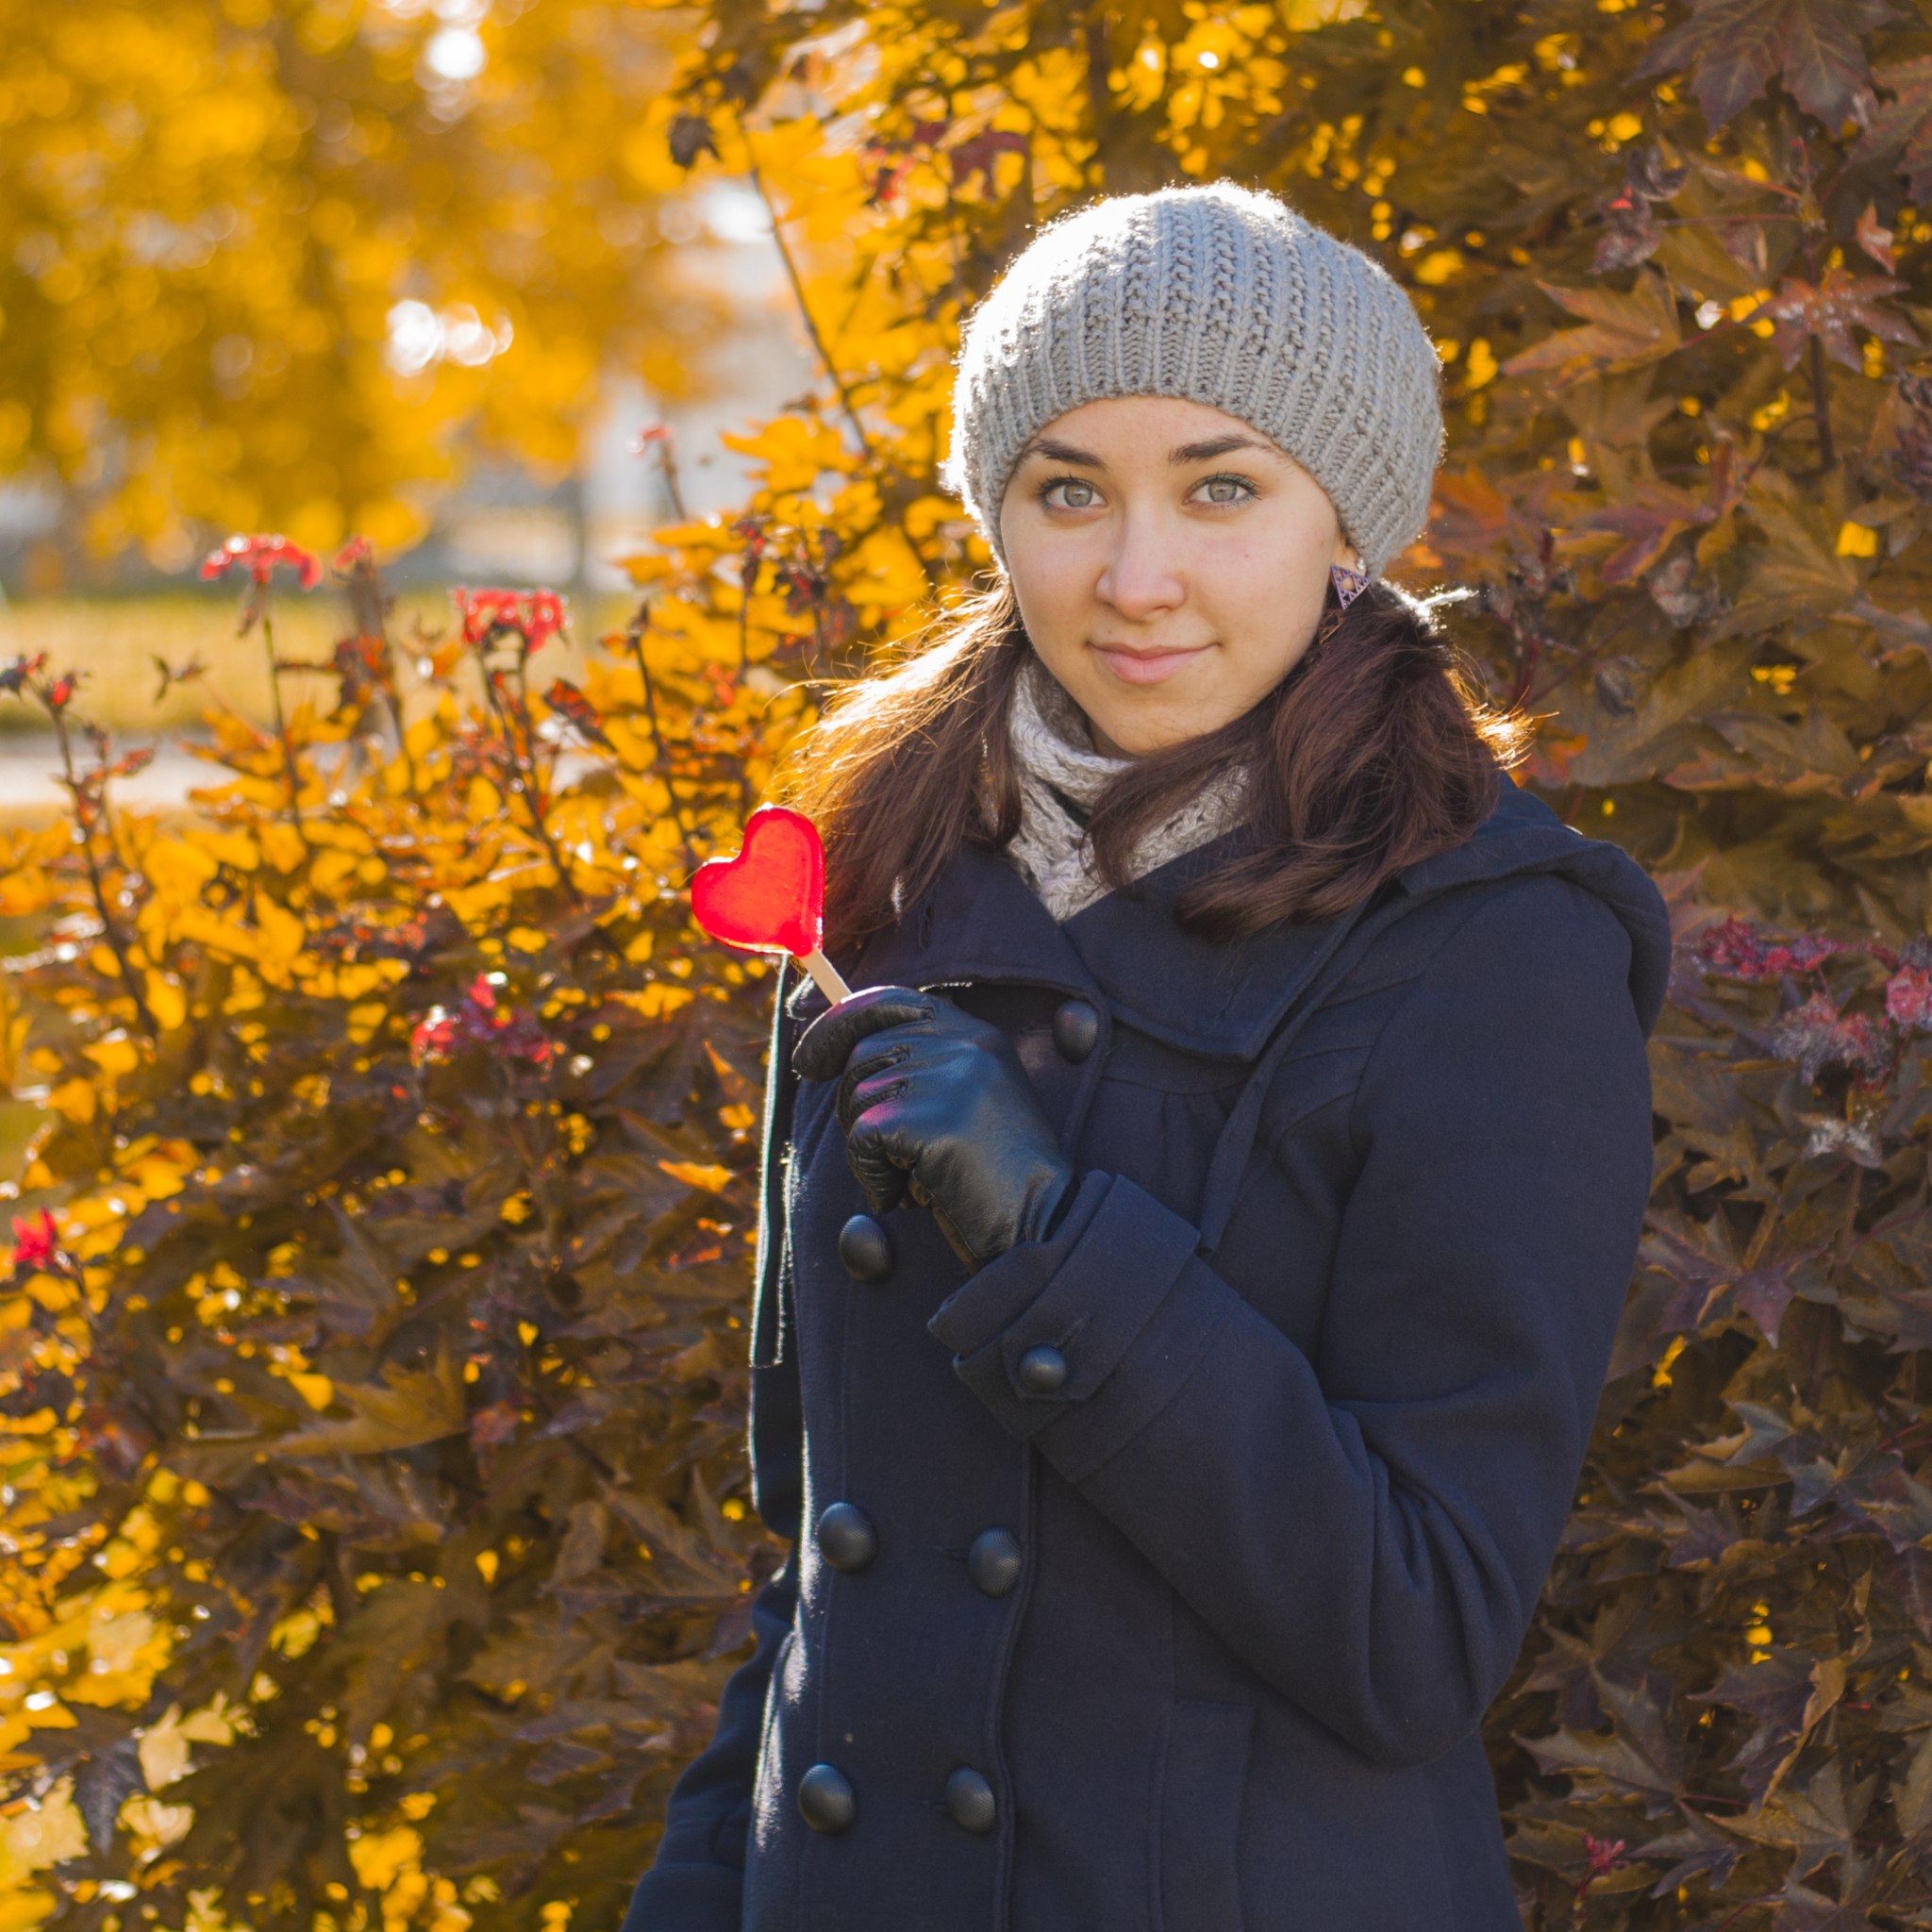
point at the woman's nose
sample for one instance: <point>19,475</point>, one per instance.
<point>1141,576</point>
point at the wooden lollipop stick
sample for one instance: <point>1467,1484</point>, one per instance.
<point>826,976</point>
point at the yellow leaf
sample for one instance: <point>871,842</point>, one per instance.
<point>230,848</point>
<point>76,1099</point>
<point>794,451</point>
<point>1856,539</point>
<point>331,869</point>
<point>178,868</point>
<point>281,932</point>
<point>217,934</point>
<point>318,1391</point>
<point>379,1857</point>
<point>365,1020</point>
<point>24,891</point>
<point>45,1833</point>
<point>280,845</point>
<point>526,939</point>
<point>163,1749</point>
<point>166,1002</point>
<point>114,1055</point>
<point>696,1174</point>
<point>156,1175</point>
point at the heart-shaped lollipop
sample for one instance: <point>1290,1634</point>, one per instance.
<point>772,898</point>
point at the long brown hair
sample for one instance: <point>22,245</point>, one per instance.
<point>1377,748</point>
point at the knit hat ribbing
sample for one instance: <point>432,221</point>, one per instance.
<point>1224,296</point>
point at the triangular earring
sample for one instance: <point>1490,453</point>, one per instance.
<point>1349,584</point>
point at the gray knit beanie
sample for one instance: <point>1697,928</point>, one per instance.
<point>1226,296</point>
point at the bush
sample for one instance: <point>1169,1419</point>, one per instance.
<point>379,1524</point>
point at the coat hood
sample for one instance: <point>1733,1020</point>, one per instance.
<point>982,921</point>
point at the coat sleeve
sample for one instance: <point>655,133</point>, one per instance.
<point>1369,1527</point>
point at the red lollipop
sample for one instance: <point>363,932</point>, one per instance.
<point>772,898</point>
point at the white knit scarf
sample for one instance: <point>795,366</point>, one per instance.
<point>1058,769</point>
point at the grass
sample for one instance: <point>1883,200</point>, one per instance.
<point>114,643</point>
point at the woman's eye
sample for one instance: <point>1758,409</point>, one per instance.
<point>1237,483</point>
<point>1071,493</point>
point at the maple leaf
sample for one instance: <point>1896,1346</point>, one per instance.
<point>1736,46</point>
<point>1830,311</point>
<point>415,1407</point>
<point>1876,240</point>
<point>1625,331</point>
<point>1902,126</point>
<point>1655,513</point>
<point>1812,1825</point>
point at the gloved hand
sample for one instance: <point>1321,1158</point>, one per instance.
<point>936,1103</point>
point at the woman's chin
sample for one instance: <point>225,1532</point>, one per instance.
<point>1140,731</point>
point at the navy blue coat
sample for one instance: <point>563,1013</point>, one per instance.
<point>1359,1201</point>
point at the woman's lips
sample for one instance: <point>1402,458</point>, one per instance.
<point>1134,664</point>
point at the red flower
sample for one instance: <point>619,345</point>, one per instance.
<point>1818,1035</point>
<point>482,1020</point>
<point>658,432</point>
<point>537,616</point>
<point>259,556</point>
<point>353,554</point>
<point>16,674</point>
<point>1605,1855</point>
<point>434,1039</point>
<point>1742,951</point>
<point>1909,998</point>
<point>60,692</point>
<point>36,1241</point>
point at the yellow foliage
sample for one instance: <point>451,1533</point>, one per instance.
<point>245,362</point>
<point>380,1858</point>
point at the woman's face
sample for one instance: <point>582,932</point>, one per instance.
<point>1170,565</point>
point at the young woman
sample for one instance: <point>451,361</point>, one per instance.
<point>1189,1263</point>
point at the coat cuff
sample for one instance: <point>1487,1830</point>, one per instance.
<point>1117,1258</point>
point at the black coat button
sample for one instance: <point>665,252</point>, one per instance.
<point>1042,1370</point>
<point>994,1561</point>
<point>866,1249</point>
<point>1075,1030</point>
<point>846,1539</point>
<point>825,1799</point>
<point>970,1799</point>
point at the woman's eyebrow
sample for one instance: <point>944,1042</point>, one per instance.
<point>1061,452</point>
<point>1205,453</point>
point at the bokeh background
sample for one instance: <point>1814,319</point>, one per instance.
<point>364,270</point>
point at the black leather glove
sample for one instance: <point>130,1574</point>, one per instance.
<point>936,1103</point>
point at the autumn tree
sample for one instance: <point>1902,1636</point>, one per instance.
<point>268,262</point>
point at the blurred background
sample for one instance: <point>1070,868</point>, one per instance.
<point>352,270</point>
